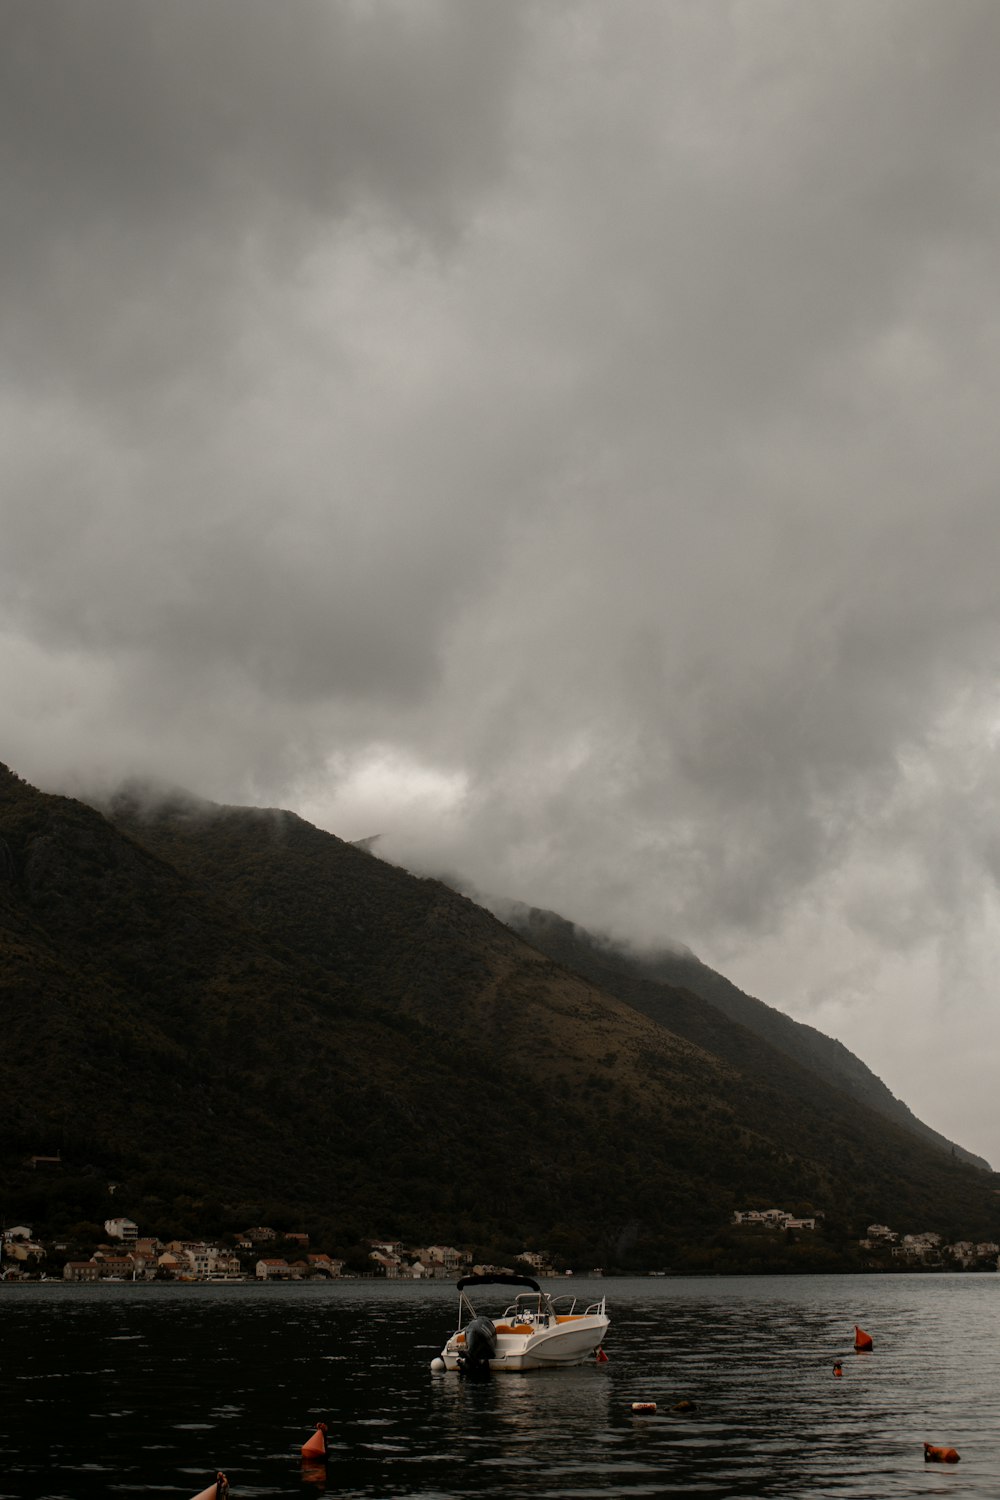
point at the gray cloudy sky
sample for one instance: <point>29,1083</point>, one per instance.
<point>562,437</point>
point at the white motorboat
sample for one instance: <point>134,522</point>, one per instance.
<point>535,1332</point>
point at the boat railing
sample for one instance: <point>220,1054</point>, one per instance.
<point>595,1310</point>
<point>533,1307</point>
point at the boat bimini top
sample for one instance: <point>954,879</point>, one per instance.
<point>531,1309</point>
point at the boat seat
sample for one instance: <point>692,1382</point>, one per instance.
<point>514,1328</point>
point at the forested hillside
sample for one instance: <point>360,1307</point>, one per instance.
<point>227,1009</point>
<point>668,985</point>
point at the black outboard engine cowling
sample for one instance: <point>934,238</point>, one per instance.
<point>480,1346</point>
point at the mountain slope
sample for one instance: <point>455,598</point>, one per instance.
<point>234,1003</point>
<point>657,983</point>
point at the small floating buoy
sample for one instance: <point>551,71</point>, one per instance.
<point>316,1446</point>
<point>684,1405</point>
<point>838,1368</point>
<point>438,1364</point>
<point>934,1455</point>
<point>217,1490</point>
<point>862,1340</point>
<point>601,1357</point>
<point>644,1408</point>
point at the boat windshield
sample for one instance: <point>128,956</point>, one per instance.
<point>529,1307</point>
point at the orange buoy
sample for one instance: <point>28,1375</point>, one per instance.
<point>644,1408</point>
<point>934,1455</point>
<point>316,1445</point>
<point>838,1368</point>
<point>217,1490</point>
<point>602,1358</point>
<point>862,1340</point>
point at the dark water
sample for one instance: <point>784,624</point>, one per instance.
<point>124,1390</point>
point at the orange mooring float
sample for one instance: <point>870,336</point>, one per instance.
<point>862,1340</point>
<point>838,1368</point>
<point>933,1455</point>
<point>316,1445</point>
<point>217,1490</point>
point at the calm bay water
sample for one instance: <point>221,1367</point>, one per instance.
<point>122,1390</point>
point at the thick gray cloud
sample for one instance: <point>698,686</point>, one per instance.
<point>558,437</point>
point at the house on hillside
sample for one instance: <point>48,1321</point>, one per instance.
<point>211,1260</point>
<point>325,1265</point>
<point>23,1251</point>
<point>113,1264</point>
<point>922,1247</point>
<point>81,1270</point>
<point>121,1229</point>
<point>259,1235</point>
<point>386,1265</point>
<point>966,1254</point>
<point>444,1260</point>
<point>19,1247</point>
<point>273,1269</point>
<point>774,1218</point>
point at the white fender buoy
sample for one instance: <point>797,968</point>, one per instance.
<point>644,1408</point>
<point>438,1364</point>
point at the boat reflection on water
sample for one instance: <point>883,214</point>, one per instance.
<point>507,1421</point>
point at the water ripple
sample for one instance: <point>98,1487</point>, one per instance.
<point>236,1378</point>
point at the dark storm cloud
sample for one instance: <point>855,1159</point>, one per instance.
<point>191,118</point>
<point>561,438</point>
<point>187,500</point>
<point>156,157</point>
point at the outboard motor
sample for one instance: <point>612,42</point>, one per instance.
<point>480,1347</point>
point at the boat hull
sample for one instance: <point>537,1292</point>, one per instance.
<point>571,1342</point>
